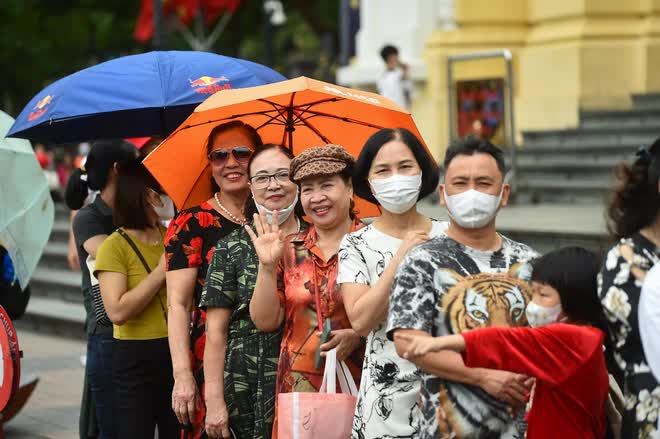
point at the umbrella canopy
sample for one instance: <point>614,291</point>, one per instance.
<point>133,96</point>
<point>298,113</point>
<point>26,208</point>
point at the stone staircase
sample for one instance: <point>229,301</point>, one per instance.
<point>576,166</point>
<point>56,304</point>
<point>573,169</point>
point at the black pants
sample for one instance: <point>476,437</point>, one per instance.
<point>142,378</point>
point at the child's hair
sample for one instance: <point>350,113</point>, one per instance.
<point>573,272</point>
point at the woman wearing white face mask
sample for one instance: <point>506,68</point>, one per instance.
<point>240,397</point>
<point>563,350</point>
<point>130,267</point>
<point>395,171</point>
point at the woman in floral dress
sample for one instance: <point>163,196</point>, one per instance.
<point>395,171</point>
<point>189,244</point>
<point>297,280</point>
<point>634,221</point>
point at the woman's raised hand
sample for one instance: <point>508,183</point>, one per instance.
<point>268,241</point>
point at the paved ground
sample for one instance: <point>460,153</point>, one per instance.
<point>52,411</point>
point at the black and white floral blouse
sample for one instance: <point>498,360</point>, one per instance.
<point>619,288</point>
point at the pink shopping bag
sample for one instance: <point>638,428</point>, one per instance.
<point>322,415</point>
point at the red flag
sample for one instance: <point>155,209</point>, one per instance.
<point>213,8</point>
<point>144,29</point>
<point>185,10</point>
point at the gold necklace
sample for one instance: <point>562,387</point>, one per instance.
<point>225,210</point>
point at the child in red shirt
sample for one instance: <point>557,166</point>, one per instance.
<point>563,350</point>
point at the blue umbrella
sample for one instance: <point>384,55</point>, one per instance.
<point>133,96</point>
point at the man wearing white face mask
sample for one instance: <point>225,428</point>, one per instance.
<point>471,278</point>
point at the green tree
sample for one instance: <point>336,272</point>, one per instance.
<point>44,40</point>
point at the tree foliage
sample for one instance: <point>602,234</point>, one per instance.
<point>44,40</point>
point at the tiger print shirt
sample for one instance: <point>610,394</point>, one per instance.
<point>443,287</point>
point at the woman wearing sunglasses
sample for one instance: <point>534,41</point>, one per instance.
<point>239,392</point>
<point>189,246</point>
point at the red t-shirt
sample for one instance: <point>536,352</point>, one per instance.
<point>568,363</point>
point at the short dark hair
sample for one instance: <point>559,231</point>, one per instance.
<point>473,145</point>
<point>130,208</point>
<point>636,202</point>
<point>430,171</point>
<point>388,50</point>
<point>249,130</point>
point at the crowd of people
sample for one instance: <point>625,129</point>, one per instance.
<point>199,319</point>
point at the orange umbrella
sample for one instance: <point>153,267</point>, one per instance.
<point>298,113</point>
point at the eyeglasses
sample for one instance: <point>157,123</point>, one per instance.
<point>220,156</point>
<point>262,180</point>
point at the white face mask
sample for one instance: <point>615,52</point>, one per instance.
<point>472,209</point>
<point>398,193</point>
<point>282,214</point>
<point>166,211</point>
<point>538,315</point>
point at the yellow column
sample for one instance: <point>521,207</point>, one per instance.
<point>481,25</point>
<point>580,54</point>
<point>568,55</point>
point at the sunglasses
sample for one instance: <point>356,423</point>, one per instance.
<point>220,156</point>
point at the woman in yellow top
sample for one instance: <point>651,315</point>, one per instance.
<point>130,267</point>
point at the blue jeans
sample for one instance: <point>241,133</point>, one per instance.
<point>99,375</point>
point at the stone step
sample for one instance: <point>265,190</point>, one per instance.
<point>649,101</point>
<point>595,149</point>
<point>530,163</point>
<point>577,138</point>
<point>60,232</point>
<point>55,256</point>
<point>62,212</point>
<point>634,118</point>
<point>539,188</point>
<point>57,284</point>
<point>54,316</point>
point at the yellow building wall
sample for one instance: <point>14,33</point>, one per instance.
<point>567,55</point>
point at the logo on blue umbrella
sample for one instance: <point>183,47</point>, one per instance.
<point>209,84</point>
<point>40,108</point>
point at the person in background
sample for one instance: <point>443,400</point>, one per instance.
<point>240,394</point>
<point>130,267</point>
<point>633,220</point>
<point>394,170</point>
<point>297,279</point>
<point>472,277</point>
<point>91,226</point>
<point>189,243</point>
<point>563,350</point>
<point>394,83</point>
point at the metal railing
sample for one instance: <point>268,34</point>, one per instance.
<point>510,131</point>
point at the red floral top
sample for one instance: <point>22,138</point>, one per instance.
<point>189,242</point>
<point>301,274</point>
